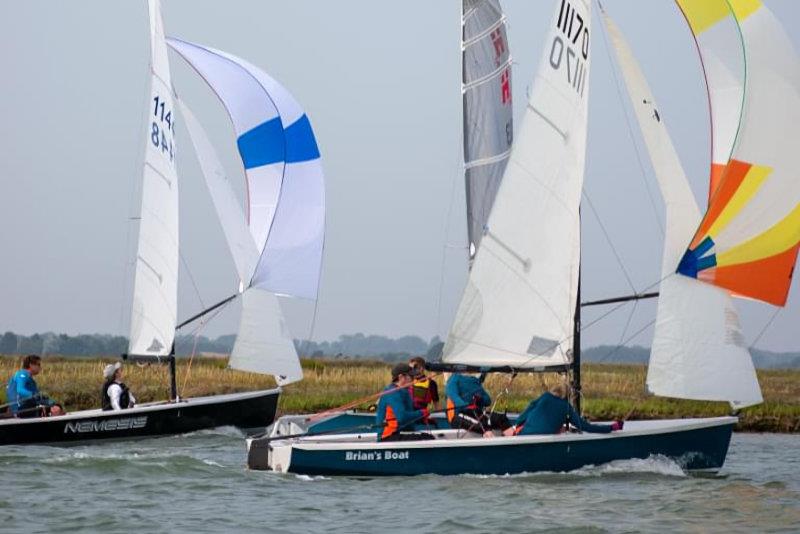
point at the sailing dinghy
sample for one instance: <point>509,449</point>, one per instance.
<point>520,311</point>
<point>278,252</point>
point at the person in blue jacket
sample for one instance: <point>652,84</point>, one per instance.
<point>396,409</point>
<point>22,393</point>
<point>549,413</point>
<point>467,402</point>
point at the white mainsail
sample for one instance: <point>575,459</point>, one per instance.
<point>155,293</point>
<point>488,126</point>
<point>698,351</point>
<point>519,304</point>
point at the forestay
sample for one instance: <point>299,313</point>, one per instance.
<point>719,43</point>
<point>488,127</point>
<point>519,304</point>
<point>229,210</point>
<point>155,291</point>
<point>748,239</point>
<point>286,191</point>
<point>698,351</point>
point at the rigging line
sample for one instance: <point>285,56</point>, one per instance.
<point>196,333</point>
<point>460,172</point>
<point>633,336</point>
<point>608,239</point>
<point>191,279</point>
<point>631,136</point>
<point>307,342</point>
<point>763,330</point>
<point>621,340</point>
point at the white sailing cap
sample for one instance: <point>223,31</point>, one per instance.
<point>110,369</point>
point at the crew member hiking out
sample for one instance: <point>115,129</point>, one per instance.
<point>425,390</point>
<point>466,406</point>
<point>395,409</point>
<point>550,412</point>
<point>115,395</point>
<point>22,393</point>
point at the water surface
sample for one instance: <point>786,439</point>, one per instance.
<point>198,483</point>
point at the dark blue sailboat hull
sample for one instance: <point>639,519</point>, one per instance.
<point>700,446</point>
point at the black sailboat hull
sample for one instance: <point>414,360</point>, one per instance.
<point>251,410</point>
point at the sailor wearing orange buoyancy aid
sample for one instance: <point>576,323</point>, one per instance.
<point>424,391</point>
<point>395,410</point>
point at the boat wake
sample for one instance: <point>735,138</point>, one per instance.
<point>225,431</point>
<point>654,465</point>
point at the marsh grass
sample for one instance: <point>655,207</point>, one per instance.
<point>610,391</point>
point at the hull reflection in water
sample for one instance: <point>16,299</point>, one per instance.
<point>695,444</point>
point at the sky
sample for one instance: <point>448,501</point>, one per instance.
<point>381,86</point>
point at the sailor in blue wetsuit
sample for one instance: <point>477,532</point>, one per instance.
<point>549,413</point>
<point>22,393</point>
<point>467,402</point>
<point>396,409</point>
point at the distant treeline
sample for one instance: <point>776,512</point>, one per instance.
<point>346,347</point>
<point>350,346</point>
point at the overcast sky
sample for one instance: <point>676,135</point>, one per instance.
<point>381,83</point>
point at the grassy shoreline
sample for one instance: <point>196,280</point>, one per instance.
<point>610,390</point>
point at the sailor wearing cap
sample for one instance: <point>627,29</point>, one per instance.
<point>115,394</point>
<point>395,408</point>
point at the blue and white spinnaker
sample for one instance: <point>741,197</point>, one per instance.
<point>277,244</point>
<point>285,205</point>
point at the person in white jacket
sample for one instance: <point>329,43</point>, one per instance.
<point>115,394</point>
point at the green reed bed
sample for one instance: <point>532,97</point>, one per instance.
<point>610,391</point>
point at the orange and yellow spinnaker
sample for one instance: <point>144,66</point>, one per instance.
<point>748,239</point>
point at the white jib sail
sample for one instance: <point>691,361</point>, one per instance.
<point>263,344</point>
<point>698,351</point>
<point>519,304</point>
<point>155,293</point>
<point>229,210</point>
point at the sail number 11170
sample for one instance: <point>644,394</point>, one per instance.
<point>572,27</point>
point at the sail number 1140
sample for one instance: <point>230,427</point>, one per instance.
<point>562,54</point>
<point>163,127</point>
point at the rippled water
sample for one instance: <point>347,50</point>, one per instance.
<point>198,483</point>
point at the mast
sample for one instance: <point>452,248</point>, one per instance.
<point>464,134</point>
<point>576,345</point>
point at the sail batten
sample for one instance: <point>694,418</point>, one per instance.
<point>155,290</point>
<point>518,307</point>
<point>698,350</point>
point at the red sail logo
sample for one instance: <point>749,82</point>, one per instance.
<point>505,87</point>
<point>499,43</point>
